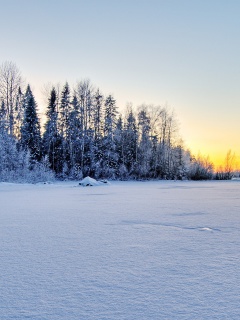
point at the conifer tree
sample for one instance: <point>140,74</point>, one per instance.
<point>30,129</point>
<point>3,121</point>
<point>119,142</point>
<point>97,110</point>
<point>51,138</point>
<point>97,114</point>
<point>144,152</point>
<point>75,136</point>
<point>110,156</point>
<point>65,109</point>
<point>131,142</point>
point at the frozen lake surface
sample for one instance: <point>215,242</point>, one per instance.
<point>129,250</point>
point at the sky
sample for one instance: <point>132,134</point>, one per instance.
<point>183,54</point>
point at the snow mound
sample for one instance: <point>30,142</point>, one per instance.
<point>206,229</point>
<point>89,182</point>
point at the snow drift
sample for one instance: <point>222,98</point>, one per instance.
<point>90,182</point>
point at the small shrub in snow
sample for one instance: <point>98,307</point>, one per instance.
<point>39,173</point>
<point>200,169</point>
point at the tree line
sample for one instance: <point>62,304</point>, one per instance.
<point>85,134</point>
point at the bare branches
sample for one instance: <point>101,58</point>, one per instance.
<point>10,81</point>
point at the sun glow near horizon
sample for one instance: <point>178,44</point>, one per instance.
<point>212,139</point>
<point>216,156</point>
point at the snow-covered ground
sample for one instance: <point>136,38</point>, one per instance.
<point>128,250</point>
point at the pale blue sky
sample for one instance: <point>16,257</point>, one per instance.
<point>184,53</point>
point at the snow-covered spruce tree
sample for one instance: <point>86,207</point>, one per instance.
<point>122,172</point>
<point>76,136</point>
<point>3,117</point>
<point>98,133</point>
<point>51,138</point>
<point>110,156</point>
<point>130,137</point>
<point>89,154</point>
<point>64,131</point>
<point>30,129</point>
<point>144,153</point>
<point>97,114</point>
<point>154,159</point>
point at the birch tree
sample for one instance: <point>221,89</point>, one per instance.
<point>10,81</point>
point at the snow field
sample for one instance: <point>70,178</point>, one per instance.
<point>129,250</point>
